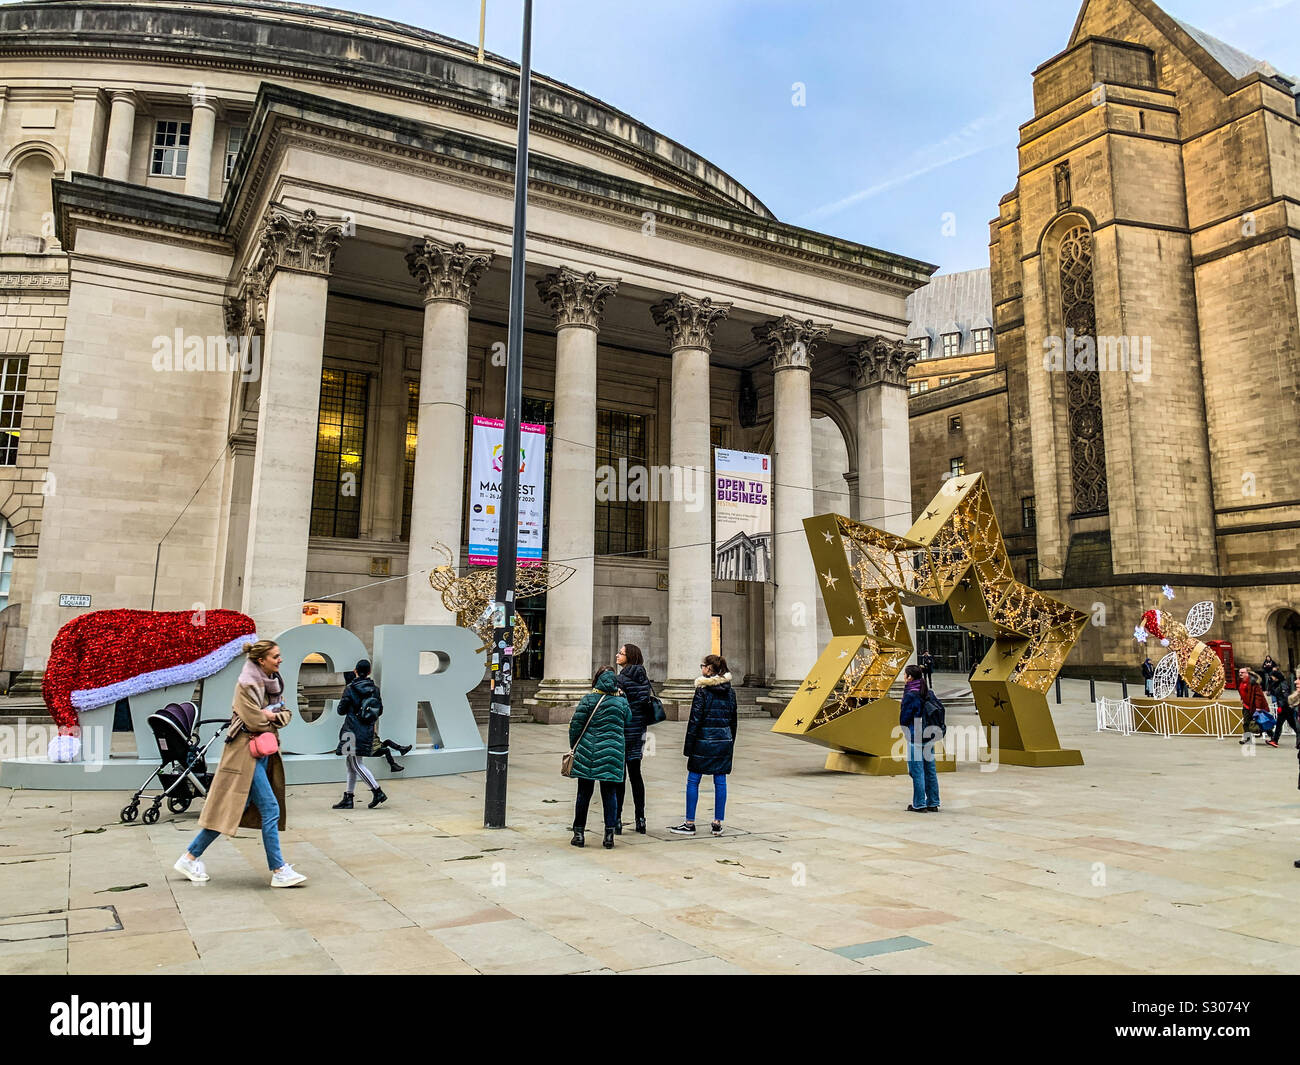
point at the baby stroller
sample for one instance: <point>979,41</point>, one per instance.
<point>184,772</point>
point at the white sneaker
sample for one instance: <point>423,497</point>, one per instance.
<point>286,877</point>
<point>191,867</point>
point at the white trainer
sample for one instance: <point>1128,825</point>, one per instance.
<point>286,877</point>
<point>191,867</point>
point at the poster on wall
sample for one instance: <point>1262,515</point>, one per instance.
<point>485,490</point>
<point>321,612</point>
<point>742,522</point>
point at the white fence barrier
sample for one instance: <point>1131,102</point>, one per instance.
<point>1216,719</point>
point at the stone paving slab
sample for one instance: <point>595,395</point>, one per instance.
<point>1155,856</point>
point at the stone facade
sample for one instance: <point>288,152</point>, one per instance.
<point>344,217</point>
<point>1153,214</point>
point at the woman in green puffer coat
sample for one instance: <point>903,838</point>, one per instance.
<point>599,752</point>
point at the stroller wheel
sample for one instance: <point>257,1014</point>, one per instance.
<point>178,804</point>
<point>151,815</point>
<point>130,812</point>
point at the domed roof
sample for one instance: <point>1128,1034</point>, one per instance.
<point>294,42</point>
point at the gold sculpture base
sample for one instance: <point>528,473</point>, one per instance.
<point>1039,759</point>
<point>872,765</point>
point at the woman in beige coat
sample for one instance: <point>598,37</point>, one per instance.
<point>248,792</point>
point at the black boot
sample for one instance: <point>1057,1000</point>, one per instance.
<point>393,766</point>
<point>618,828</point>
<point>609,839</point>
<point>403,751</point>
<point>640,825</point>
<point>345,803</point>
<point>578,840</point>
<point>376,799</point>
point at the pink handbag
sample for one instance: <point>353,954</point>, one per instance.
<point>263,744</point>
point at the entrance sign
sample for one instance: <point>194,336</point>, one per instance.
<point>742,516</point>
<point>485,490</point>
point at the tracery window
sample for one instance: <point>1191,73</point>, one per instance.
<point>1082,386</point>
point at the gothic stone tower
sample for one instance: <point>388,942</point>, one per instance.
<point>1150,216</point>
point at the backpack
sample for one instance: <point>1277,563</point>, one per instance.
<point>933,717</point>
<point>370,709</point>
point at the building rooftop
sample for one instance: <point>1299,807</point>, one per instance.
<point>960,302</point>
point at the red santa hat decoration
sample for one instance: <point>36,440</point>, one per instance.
<point>98,658</point>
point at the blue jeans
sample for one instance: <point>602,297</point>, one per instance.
<point>719,795</point>
<point>263,795</point>
<point>924,773</point>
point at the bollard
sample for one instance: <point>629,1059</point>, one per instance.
<point>1058,689</point>
<point>1123,686</point>
<point>1092,690</point>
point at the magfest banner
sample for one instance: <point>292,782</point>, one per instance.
<point>742,523</point>
<point>485,490</point>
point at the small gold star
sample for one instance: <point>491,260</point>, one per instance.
<point>830,538</point>
<point>830,581</point>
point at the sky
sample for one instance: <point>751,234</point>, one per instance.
<point>906,136</point>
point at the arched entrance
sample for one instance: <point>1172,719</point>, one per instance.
<point>1284,638</point>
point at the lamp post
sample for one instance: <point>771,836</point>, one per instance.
<point>503,621</point>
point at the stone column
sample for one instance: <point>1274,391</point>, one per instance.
<point>690,323</point>
<point>287,288</point>
<point>203,126</point>
<point>884,490</point>
<point>82,153</point>
<point>121,130</point>
<point>447,273</point>
<point>577,301</point>
<point>791,343</point>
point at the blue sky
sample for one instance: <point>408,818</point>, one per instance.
<point>911,108</point>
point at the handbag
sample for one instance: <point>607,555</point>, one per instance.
<point>566,763</point>
<point>656,711</point>
<point>263,744</point>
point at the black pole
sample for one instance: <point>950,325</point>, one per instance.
<point>1058,690</point>
<point>1092,690</point>
<point>498,758</point>
<point>1123,686</point>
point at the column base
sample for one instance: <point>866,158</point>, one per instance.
<point>778,696</point>
<point>555,700</point>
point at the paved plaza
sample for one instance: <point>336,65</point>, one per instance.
<point>1159,855</point>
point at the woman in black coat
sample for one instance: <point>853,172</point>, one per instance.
<point>710,741</point>
<point>633,682</point>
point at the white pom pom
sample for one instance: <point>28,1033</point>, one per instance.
<point>64,749</point>
<point>1164,642</point>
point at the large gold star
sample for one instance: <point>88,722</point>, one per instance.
<point>953,554</point>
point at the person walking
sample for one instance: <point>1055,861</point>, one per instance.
<point>247,789</point>
<point>361,708</point>
<point>1252,699</point>
<point>921,765</point>
<point>1148,673</point>
<point>634,684</point>
<point>927,665</point>
<point>710,741</point>
<point>1280,688</point>
<point>597,739</point>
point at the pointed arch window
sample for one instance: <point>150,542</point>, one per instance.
<point>1082,385</point>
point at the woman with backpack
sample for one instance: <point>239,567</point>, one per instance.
<point>921,765</point>
<point>360,708</point>
<point>597,744</point>
<point>633,682</point>
<point>710,741</point>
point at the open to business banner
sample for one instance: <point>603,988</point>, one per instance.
<point>742,522</point>
<point>485,490</point>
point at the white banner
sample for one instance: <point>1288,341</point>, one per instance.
<point>742,523</point>
<point>485,490</point>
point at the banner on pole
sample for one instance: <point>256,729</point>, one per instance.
<point>742,522</point>
<point>485,490</point>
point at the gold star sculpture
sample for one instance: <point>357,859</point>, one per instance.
<point>954,554</point>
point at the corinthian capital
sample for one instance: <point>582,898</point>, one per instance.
<point>791,341</point>
<point>246,310</point>
<point>301,242</point>
<point>574,298</point>
<point>689,321</point>
<point>881,361</point>
<point>447,271</point>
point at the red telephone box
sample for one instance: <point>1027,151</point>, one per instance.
<point>1223,649</point>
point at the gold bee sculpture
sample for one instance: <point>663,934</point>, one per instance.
<point>471,595</point>
<point>1188,657</point>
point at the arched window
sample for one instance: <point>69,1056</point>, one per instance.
<point>31,205</point>
<point>1082,386</point>
<point>6,560</point>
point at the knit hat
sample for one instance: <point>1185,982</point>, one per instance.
<point>107,655</point>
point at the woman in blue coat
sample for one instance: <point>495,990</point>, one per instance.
<point>920,748</point>
<point>710,741</point>
<point>633,682</point>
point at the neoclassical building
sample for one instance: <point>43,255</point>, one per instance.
<point>329,195</point>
